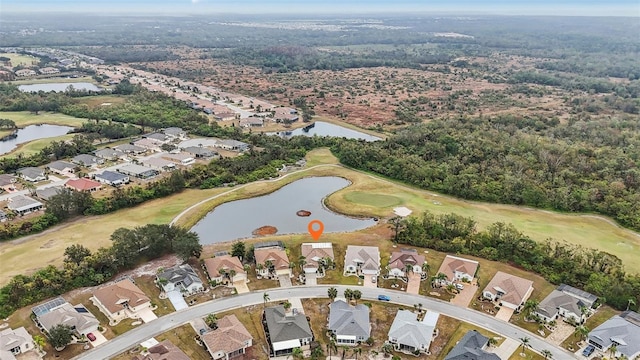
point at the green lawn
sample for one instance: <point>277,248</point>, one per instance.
<point>20,59</point>
<point>377,200</point>
<point>25,118</point>
<point>34,147</point>
<point>57,79</point>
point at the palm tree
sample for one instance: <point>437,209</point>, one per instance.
<point>582,332</point>
<point>332,346</point>
<point>302,261</point>
<point>212,321</point>
<point>439,278</point>
<point>332,293</point>
<point>630,302</point>
<point>297,353</point>
<point>492,341</point>
<point>530,306</point>
<point>317,353</point>
<point>357,295</point>
<point>265,297</point>
<point>525,343</point>
<point>407,269</point>
<point>387,348</point>
<point>357,351</point>
<point>269,265</point>
<point>232,274</point>
<point>547,354</point>
<point>426,268</point>
<point>348,294</point>
<point>613,349</point>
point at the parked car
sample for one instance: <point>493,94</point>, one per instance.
<point>459,286</point>
<point>384,298</point>
<point>91,337</point>
<point>588,350</point>
<point>202,331</point>
<point>373,279</point>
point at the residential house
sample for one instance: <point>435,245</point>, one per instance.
<point>121,300</point>
<point>159,164</point>
<point>286,332</point>
<point>225,116</point>
<point>58,311</point>
<point>273,261</point>
<point>349,324</point>
<point>48,192</point>
<point>149,144</point>
<point>32,174</point>
<point>251,122</point>
<point>163,351</point>
<point>233,145</point>
<point>49,70</point>
<point>112,178</point>
<point>362,260</point>
<point>87,160</point>
<point>156,136</point>
<point>61,167</point>
<point>231,339</point>
<point>8,182</point>
<point>131,149</point>
<point>225,265</point>
<point>175,133</point>
<point>471,347</point>
<point>15,342</point>
<point>109,154</point>
<point>509,290</point>
<point>457,269</point>
<point>200,152</point>
<point>83,184</point>
<point>3,216</point>
<point>183,158</point>
<point>407,334</point>
<point>564,303</point>
<point>138,171</point>
<point>25,72</point>
<point>182,278</point>
<point>286,115</point>
<point>22,205</point>
<point>316,255</point>
<point>621,331</point>
<point>401,260</point>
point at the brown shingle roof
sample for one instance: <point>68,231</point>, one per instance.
<point>114,295</point>
<point>451,264</point>
<point>163,351</point>
<point>277,257</point>
<point>228,337</point>
<point>316,251</point>
<point>514,288</point>
<point>226,262</point>
<point>399,259</point>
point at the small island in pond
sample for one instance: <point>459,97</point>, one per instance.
<point>265,230</point>
<point>303,213</point>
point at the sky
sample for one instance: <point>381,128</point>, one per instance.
<point>168,7</point>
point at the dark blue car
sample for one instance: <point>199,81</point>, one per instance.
<point>588,350</point>
<point>384,298</point>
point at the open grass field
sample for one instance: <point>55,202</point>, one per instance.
<point>26,118</point>
<point>102,100</point>
<point>20,59</point>
<point>49,80</point>
<point>33,147</point>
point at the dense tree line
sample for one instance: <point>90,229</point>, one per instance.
<point>583,165</point>
<point>559,262</point>
<point>84,268</point>
<point>79,144</point>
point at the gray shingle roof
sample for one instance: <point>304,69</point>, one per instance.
<point>183,273</point>
<point>23,203</point>
<point>49,192</point>
<point>409,331</point>
<point>31,172</point>
<point>111,176</point>
<point>470,348</point>
<point>588,298</point>
<point>61,165</point>
<point>85,159</point>
<point>624,329</point>
<point>345,319</point>
<point>283,328</point>
<point>557,299</point>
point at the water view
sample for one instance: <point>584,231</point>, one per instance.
<point>321,128</point>
<point>30,133</point>
<point>63,86</point>
<point>237,219</point>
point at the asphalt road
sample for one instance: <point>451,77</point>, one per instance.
<point>167,322</point>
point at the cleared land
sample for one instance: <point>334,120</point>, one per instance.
<point>24,256</point>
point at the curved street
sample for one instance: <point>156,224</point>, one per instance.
<point>143,332</point>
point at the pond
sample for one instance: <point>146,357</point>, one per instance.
<point>62,86</point>
<point>237,219</point>
<point>30,133</point>
<point>322,128</point>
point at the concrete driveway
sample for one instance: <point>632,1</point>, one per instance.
<point>368,282</point>
<point>504,313</point>
<point>464,297</point>
<point>310,279</point>
<point>177,300</point>
<point>507,348</point>
<point>284,281</point>
<point>100,339</point>
<point>241,287</point>
<point>147,315</point>
<point>413,286</point>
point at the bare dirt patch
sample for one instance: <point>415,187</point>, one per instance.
<point>265,230</point>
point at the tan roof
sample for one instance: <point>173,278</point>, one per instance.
<point>226,262</point>
<point>368,256</point>
<point>163,351</point>
<point>313,252</point>
<point>228,337</point>
<point>277,257</point>
<point>114,295</point>
<point>514,288</point>
<point>399,259</point>
<point>451,264</point>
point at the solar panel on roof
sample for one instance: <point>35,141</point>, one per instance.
<point>46,307</point>
<point>81,310</point>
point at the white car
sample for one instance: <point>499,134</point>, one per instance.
<point>459,286</point>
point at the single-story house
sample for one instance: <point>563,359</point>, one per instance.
<point>141,172</point>
<point>121,300</point>
<point>48,192</point>
<point>180,158</point>
<point>400,260</point>
<point>83,184</point>
<point>621,331</point>
<point>158,164</point>
<point>284,114</point>
<point>458,269</point>
<point>315,255</point>
<point>156,136</point>
<point>362,260</point>
<point>87,160</point>
<point>182,278</point>
<point>149,144</point>
<point>587,298</point>
<point>225,116</point>
<point>58,311</point>
<point>200,152</point>
<point>272,260</point>
<point>231,339</point>
<point>15,341</point>
<point>251,122</point>
<point>112,178</point>
<point>61,167</point>
<point>349,324</point>
<point>163,351</point>
<point>8,182</point>
<point>109,154</point>
<point>131,149</point>
<point>22,204</point>
<point>471,347</point>
<point>509,290</point>
<point>32,174</point>
<point>49,70</point>
<point>25,72</point>
<point>233,145</point>
<point>407,334</point>
<point>218,266</point>
<point>175,133</point>
<point>561,303</point>
<point>286,332</point>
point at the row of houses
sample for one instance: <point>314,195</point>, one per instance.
<point>33,72</point>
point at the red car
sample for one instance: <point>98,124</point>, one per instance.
<point>91,337</point>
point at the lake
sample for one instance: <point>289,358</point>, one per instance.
<point>322,128</point>
<point>237,219</point>
<point>58,87</point>
<point>33,132</point>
